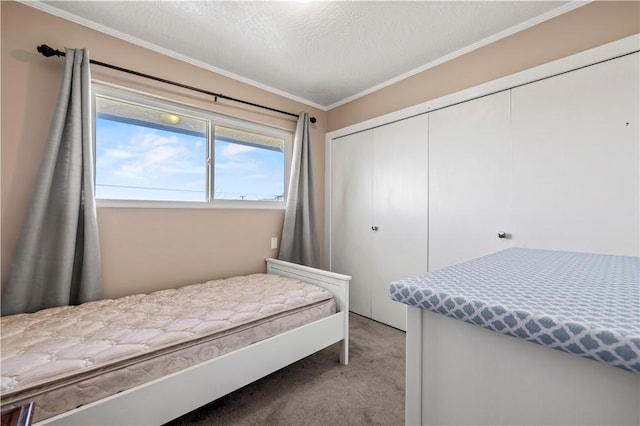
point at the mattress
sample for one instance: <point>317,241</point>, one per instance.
<point>581,303</point>
<point>66,357</point>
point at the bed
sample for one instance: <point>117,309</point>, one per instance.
<point>147,359</point>
<point>524,336</point>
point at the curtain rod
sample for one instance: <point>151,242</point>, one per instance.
<point>49,51</point>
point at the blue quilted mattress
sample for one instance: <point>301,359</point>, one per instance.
<point>585,304</point>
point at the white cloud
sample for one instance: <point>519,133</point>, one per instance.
<point>163,154</point>
<point>148,156</point>
<point>118,153</point>
<point>234,149</point>
<point>230,165</point>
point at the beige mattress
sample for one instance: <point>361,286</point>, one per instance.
<point>65,357</point>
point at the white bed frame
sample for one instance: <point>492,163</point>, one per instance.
<point>164,399</point>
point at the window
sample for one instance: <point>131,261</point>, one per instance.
<point>248,166</point>
<point>151,150</point>
<point>144,153</point>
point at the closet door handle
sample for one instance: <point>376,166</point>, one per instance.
<point>374,228</point>
<point>504,235</point>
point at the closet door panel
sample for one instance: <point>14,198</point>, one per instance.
<point>469,180</point>
<point>399,245</point>
<point>576,160</point>
<point>351,158</point>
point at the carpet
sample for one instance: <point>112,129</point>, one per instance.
<point>317,390</point>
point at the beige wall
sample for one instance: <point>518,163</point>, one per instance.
<point>142,249</point>
<point>148,249</point>
<point>586,27</point>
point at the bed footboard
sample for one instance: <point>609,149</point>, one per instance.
<point>338,284</point>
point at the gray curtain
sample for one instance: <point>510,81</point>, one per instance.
<point>57,259</point>
<point>300,242</point>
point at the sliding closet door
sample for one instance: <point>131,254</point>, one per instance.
<point>351,161</point>
<point>469,180</point>
<point>399,222</point>
<point>576,160</point>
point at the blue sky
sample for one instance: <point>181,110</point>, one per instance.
<point>142,163</point>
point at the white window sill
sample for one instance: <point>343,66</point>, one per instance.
<point>218,204</point>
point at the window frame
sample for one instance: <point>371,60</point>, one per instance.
<point>213,119</point>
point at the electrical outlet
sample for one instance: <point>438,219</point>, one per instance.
<point>274,242</point>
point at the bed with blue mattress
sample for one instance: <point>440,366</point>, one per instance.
<point>467,361</point>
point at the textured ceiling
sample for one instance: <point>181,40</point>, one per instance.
<point>321,53</point>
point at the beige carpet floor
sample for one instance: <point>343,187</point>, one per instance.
<point>319,391</point>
